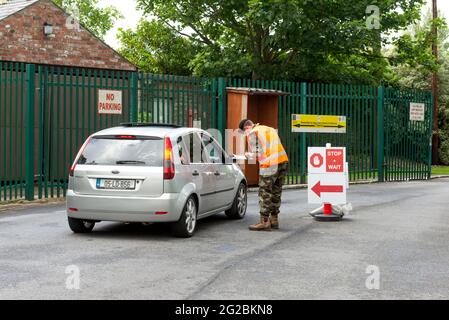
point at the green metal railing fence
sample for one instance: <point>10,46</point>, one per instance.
<point>183,101</point>
<point>47,112</point>
<point>66,116</point>
<point>357,102</point>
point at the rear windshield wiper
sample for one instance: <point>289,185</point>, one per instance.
<point>129,162</point>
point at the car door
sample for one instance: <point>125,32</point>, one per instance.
<point>222,170</point>
<point>202,172</point>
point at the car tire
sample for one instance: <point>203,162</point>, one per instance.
<point>185,227</point>
<point>80,226</point>
<point>238,209</point>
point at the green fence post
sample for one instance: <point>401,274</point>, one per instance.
<point>213,94</point>
<point>29,160</point>
<point>221,116</point>
<point>429,157</point>
<point>303,145</point>
<point>135,97</point>
<point>380,133</point>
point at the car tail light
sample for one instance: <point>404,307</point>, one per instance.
<point>126,137</point>
<point>73,209</point>
<point>161,212</point>
<point>72,168</point>
<point>169,165</point>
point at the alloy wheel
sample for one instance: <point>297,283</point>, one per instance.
<point>190,215</point>
<point>241,201</point>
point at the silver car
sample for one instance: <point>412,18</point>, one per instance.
<point>153,173</point>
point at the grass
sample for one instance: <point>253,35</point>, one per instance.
<point>440,170</point>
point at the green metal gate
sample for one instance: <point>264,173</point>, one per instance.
<point>407,144</point>
<point>360,106</point>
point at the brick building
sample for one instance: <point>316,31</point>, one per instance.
<point>40,32</point>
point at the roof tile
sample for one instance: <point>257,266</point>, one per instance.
<point>12,6</point>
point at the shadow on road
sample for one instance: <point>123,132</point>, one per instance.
<point>156,231</point>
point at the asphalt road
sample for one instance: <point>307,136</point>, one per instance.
<point>402,229</point>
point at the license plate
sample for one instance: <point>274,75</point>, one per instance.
<point>115,184</point>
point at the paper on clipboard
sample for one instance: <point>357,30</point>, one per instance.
<point>239,157</point>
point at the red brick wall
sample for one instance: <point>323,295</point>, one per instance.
<point>22,39</point>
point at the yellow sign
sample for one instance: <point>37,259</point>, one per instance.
<point>318,123</point>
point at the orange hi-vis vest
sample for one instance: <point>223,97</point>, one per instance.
<point>272,153</point>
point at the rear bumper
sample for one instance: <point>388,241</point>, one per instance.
<point>122,209</point>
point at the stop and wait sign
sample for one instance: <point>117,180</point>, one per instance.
<point>327,175</point>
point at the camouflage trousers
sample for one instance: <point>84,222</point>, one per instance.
<point>270,191</point>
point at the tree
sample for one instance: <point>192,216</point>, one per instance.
<point>157,49</point>
<point>97,20</point>
<point>443,109</point>
<point>289,39</point>
<point>415,65</point>
<point>414,48</point>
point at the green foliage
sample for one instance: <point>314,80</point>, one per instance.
<point>155,48</point>
<point>416,71</point>
<point>444,148</point>
<point>414,48</point>
<point>97,20</point>
<point>317,40</point>
<point>443,109</point>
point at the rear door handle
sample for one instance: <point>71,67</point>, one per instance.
<point>195,173</point>
<point>217,173</point>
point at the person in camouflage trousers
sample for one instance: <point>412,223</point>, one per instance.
<point>270,192</point>
<point>265,144</point>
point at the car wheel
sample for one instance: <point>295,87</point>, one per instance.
<point>238,209</point>
<point>185,227</point>
<point>80,226</point>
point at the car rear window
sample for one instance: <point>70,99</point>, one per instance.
<point>135,151</point>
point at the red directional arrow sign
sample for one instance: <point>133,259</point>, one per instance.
<point>318,189</point>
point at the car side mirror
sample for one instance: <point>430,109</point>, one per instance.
<point>215,159</point>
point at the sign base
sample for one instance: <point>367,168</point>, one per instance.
<point>322,214</point>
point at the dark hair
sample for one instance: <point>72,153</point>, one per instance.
<point>244,123</point>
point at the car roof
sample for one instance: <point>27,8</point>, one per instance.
<point>147,131</point>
